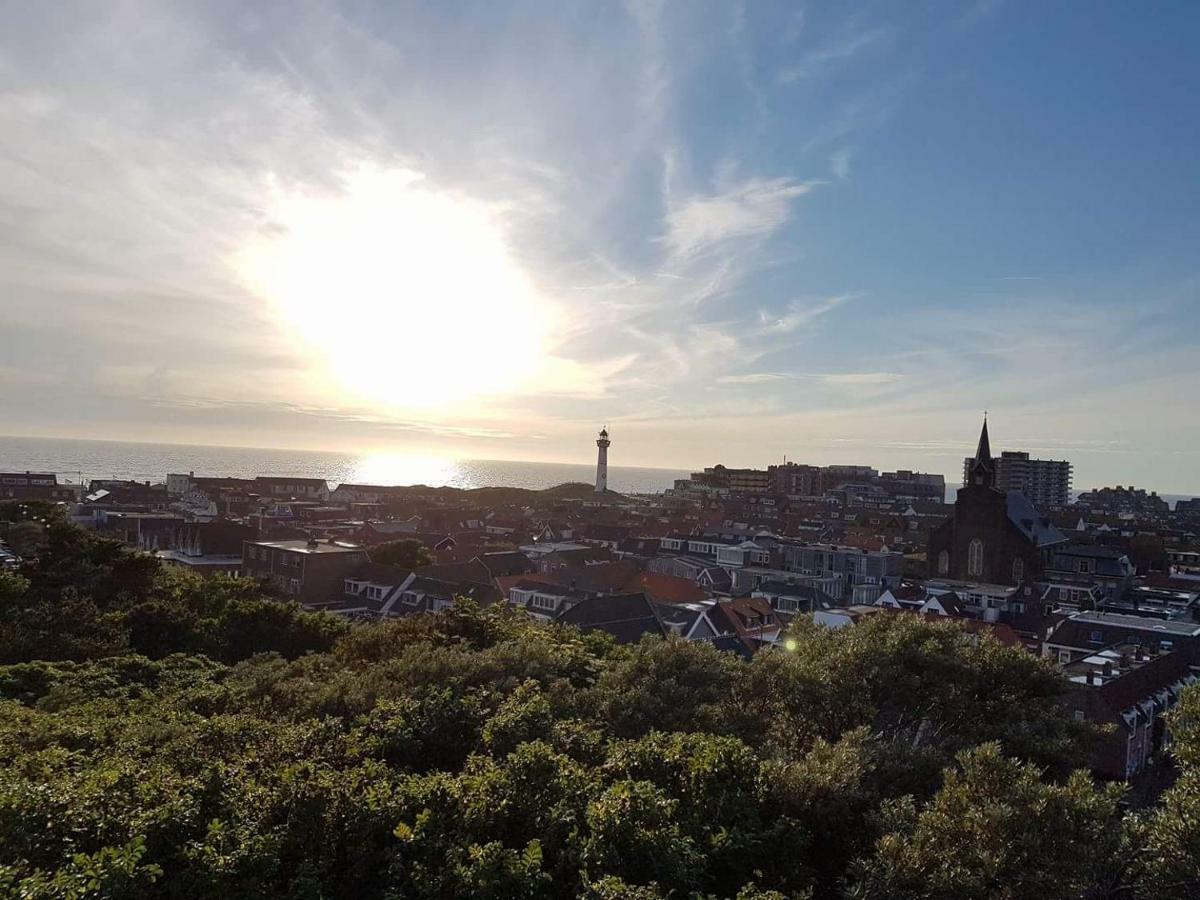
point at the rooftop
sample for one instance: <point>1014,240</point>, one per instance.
<point>312,547</point>
<point>1140,623</point>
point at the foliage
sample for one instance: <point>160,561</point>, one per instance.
<point>995,830</point>
<point>405,554</point>
<point>1169,837</point>
<point>166,736</point>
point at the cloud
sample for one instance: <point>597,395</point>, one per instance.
<point>800,313</point>
<point>818,62</point>
<point>753,208</point>
<point>835,378</point>
<point>839,164</point>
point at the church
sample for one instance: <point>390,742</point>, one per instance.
<point>993,536</point>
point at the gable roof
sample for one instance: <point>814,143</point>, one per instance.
<point>627,617</point>
<point>506,562</point>
<point>668,588</point>
<point>1036,528</point>
<point>378,573</point>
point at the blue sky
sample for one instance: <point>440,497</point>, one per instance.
<point>729,231</point>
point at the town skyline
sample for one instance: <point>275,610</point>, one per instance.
<point>730,232</point>
<point>387,466</point>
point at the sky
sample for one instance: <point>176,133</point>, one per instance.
<point>731,232</point>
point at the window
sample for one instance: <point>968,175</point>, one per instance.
<point>975,558</point>
<point>1018,571</point>
<point>1096,637</point>
<point>543,601</point>
<point>1064,657</point>
<point>1085,567</point>
<point>1079,715</point>
<point>944,562</point>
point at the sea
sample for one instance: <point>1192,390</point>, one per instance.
<point>83,460</point>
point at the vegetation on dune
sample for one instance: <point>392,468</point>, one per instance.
<point>162,736</point>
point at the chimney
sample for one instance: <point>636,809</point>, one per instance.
<point>1108,668</point>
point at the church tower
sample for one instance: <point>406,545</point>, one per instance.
<point>602,461</point>
<point>983,467</point>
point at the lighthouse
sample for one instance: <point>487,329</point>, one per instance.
<point>602,461</point>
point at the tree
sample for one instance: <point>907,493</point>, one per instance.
<point>404,554</point>
<point>995,831</point>
<point>1169,836</point>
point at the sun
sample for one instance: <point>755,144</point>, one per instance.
<point>410,297</point>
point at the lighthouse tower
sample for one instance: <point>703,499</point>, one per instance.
<point>602,461</point>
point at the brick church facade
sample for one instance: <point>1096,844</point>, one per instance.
<point>993,536</point>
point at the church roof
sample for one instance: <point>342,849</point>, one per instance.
<point>983,452</point>
<point>1040,531</point>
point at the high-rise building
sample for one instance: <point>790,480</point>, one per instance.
<point>1046,482</point>
<point>602,443</point>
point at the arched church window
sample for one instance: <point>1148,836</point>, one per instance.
<point>944,562</point>
<point>975,558</point>
<point>1018,571</point>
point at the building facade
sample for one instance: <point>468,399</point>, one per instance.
<point>1046,482</point>
<point>311,571</point>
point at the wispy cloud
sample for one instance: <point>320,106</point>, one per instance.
<point>800,313</point>
<point>753,208</point>
<point>839,164</point>
<point>833,378</point>
<point>818,61</point>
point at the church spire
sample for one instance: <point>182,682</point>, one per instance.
<point>983,471</point>
<point>984,450</point>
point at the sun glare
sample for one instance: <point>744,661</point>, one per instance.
<point>410,297</point>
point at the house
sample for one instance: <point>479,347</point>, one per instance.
<point>668,588</point>
<point>506,562</point>
<point>752,619</point>
<point>690,621</point>
<point>845,616</point>
<point>208,548</point>
<point>372,590</point>
<point>544,600</point>
<point>424,593</point>
<point>993,536</point>
<point>1084,633</point>
<point>1128,687</point>
<point>791,597</point>
<point>289,487</point>
<point>1105,566</point>
<point>310,571</point>
<point>35,486</point>
<point>627,617</point>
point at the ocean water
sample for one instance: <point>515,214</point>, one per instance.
<point>75,459</point>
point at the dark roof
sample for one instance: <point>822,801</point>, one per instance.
<point>548,588</point>
<point>1076,631</point>
<point>1039,530</point>
<point>288,479</point>
<point>787,589</point>
<point>473,571</point>
<point>506,562</point>
<point>482,593</point>
<point>627,617</point>
<point>1094,551</point>
<point>378,573</point>
<point>951,603</point>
